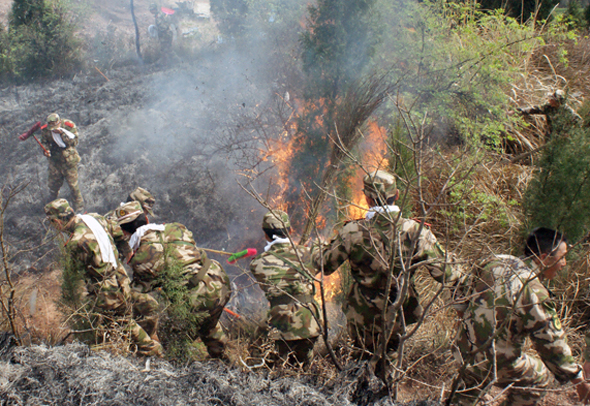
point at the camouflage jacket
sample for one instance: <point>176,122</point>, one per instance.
<point>100,277</point>
<point>512,303</point>
<point>371,245</point>
<point>561,118</point>
<point>68,155</point>
<point>289,288</point>
<point>163,22</point>
<point>174,246</point>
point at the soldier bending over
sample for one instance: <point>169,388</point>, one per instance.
<point>511,303</point>
<point>95,256</point>
<point>283,274</point>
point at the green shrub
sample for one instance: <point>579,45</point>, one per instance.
<point>574,15</point>
<point>559,194</point>
<point>41,41</point>
<point>179,323</point>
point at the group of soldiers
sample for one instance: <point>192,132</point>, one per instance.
<point>504,300</point>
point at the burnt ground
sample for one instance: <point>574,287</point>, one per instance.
<point>74,375</point>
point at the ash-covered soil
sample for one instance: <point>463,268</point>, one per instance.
<point>158,127</point>
<point>74,375</point>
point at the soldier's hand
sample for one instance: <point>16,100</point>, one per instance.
<point>47,154</point>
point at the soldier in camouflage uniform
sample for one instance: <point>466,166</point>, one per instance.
<point>554,110</point>
<point>371,247</point>
<point>165,34</point>
<point>510,304</point>
<point>60,138</point>
<point>93,251</point>
<point>147,201</point>
<point>282,272</point>
<point>156,248</point>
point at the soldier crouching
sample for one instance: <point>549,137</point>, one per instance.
<point>510,303</point>
<point>283,273</point>
<point>95,256</point>
<point>158,247</point>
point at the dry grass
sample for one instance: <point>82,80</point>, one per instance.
<point>480,211</point>
<point>38,318</point>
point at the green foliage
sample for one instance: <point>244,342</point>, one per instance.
<point>5,65</point>
<point>180,323</point>
<point>469,205</point>
<point>402,164</point>
<point>455,65</point>
<point>41,41</point>
<point>574,15</point>
<point>587,15</point>
<point>26,12</point>
<point>559,194</point>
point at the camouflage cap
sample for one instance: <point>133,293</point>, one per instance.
<point>145,198</point>
<point>379,184</point>
<point>153,7</point>
<point>53,121</point>
<point>58,209</point>
<point>276,219</point>
<point>128,212</point>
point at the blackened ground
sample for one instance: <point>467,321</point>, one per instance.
<point>74,375</point>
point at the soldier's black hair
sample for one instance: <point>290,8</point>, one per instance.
<point>390,201</point>
<point>130,227</point>
<point>279,232</point>
<point>67,217</point>
<point>543,240</point>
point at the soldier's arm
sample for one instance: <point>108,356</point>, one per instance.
<point>44,139</point>
<point>71,127</point>
<point>544,326</point>
<point>443,266</point>
<point>533,110</point>
<point>115,230</point>
<point>333,254</point>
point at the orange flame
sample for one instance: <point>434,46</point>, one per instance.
<point>281,152</point>
<point>374,151</point>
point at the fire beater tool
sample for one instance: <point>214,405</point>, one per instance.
<point>234,256</point>
<point>30,132</point>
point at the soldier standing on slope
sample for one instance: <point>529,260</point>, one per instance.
<point>60,138</point>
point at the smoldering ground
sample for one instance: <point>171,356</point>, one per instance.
<point>74,375</point>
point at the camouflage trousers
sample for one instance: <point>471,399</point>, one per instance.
<point>527,375</point>
<point>146,309</point>
<point>211,302</point>
<point>115,302</point>
<point>295,320</point>
<point>58,172</point>
<point>208,298</point>
<point>364,317</point>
